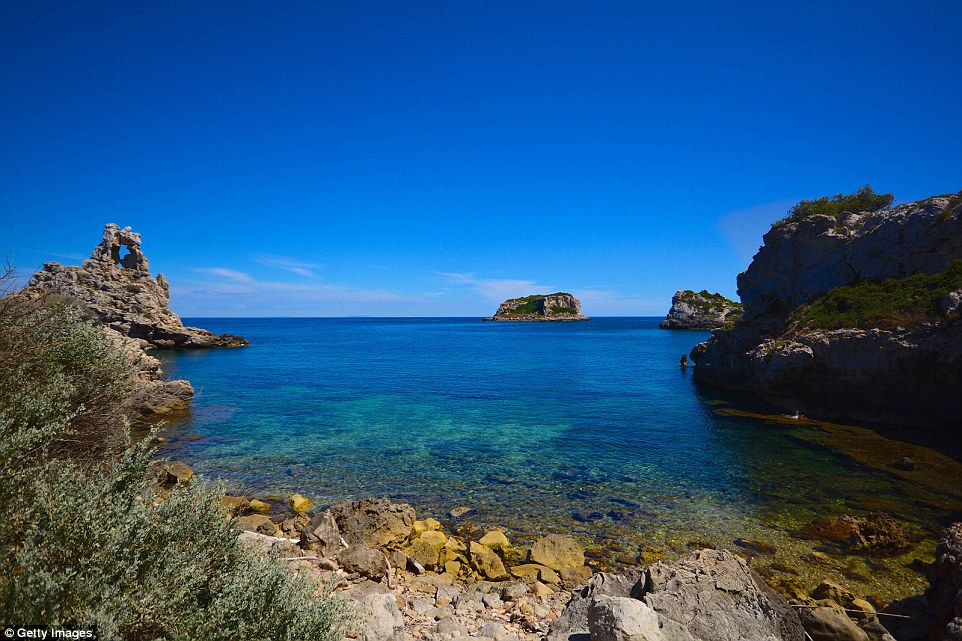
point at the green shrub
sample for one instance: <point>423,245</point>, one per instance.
<point>865,199</point>
<point>84,539</point>
<point>887,303</point>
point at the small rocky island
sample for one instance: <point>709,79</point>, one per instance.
<point>559,306</point>
<point>700,310</point>
<point>115,288</point>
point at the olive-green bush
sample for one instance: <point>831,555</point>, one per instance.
<point>865,199</point>
<point>85,539</point>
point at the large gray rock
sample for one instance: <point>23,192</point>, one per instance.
<point>700,310</point>
<point>376,523</point>
<point>615,618</point>
<point>907,375</point>
<point>366,561</point>
<point>710,595</point>
<point>377,618</point>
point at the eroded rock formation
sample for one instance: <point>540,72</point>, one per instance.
<point>115,287</point>
<point>559,306</point>
<point>905,371</point>
<point>700,310</point>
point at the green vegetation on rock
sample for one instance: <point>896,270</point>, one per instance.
<point>87,538</point>
<point>865,199</point>
<point>883,304</point>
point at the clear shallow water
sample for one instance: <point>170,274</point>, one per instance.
<point>590,428</point>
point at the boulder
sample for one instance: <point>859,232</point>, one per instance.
<point>612,618</point>
<point>234,504</point>
<point>259,507</point>
<point>377,618</point>
<point>366,561</point>
<point>708,596</point>
<point>830,624</point>
<point>557,551</point>
<point>256,523</point>
<point>377,523</point>
<point>322,535</point>
<point>876,532</point>
<point>424,553</point>
<point>177,472</point>
<point>486,562</point>
<point>495,539</point>
<point>298,503</point>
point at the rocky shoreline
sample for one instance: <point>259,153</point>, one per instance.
<point>413,578</point>
<point>133,309</point>
<point>899,365</point>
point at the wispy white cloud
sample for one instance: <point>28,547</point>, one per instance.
<point>299,267</point>
<point>496,289</point>
<point>227,274</point>
<point>231,282</point>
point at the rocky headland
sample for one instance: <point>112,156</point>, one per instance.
<point>116,289</point>
<point>700,310</point>
<point>852,317</point>
<point>559,306</point>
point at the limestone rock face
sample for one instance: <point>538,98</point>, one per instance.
<point>120,293</point>
<point>902,375</point>
<point>700,310</point>
<point>115,287</point>
<point>709,595</point>
<point>559,306</point>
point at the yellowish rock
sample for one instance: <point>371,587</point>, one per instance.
<point>259,507</point>
<point>496,540</point>
<point>486,562</point>
<point>434,538</point>
<point>432,524</point>
<point>234,504</point>
<point>453,568</point>
<point>298,503</point>
<point>531,572</point>
<point>539,589</point>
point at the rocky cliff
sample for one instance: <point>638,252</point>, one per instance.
<point>851,317</point>
<point>700,310</point>
<point>541,307</point>
<point>115,287</point>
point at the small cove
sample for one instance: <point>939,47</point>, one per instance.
<point>584,428</point>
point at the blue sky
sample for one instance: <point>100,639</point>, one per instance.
<point>434,158</point>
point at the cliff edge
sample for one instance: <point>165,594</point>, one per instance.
<point>700,310</point>
<point>853,316</point>
<point>115,287</point>
<point>559,306</point>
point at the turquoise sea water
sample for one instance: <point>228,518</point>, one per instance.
<point>590,428</point>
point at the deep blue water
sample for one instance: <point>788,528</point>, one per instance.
<point>588,427</point>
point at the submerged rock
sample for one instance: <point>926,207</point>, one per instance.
<point>700,310</point>
<point>559,306</point>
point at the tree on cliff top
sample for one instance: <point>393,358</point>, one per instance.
<point>865,199</point>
